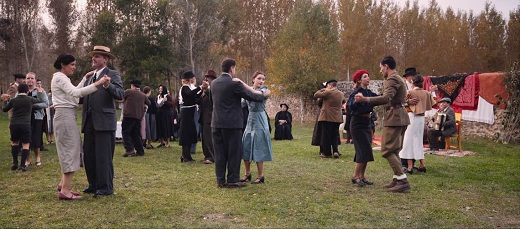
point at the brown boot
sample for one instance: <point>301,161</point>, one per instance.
<point>392,184</point>
<point>401,186</point>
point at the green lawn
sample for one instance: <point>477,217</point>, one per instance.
<point>301,190</point>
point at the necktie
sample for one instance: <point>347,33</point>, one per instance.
<point>94,78</point>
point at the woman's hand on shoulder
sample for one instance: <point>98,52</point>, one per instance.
<point>89,74</point>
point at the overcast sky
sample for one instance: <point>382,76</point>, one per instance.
<point>503,6</point>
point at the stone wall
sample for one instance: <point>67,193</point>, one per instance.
<point>311,111</point>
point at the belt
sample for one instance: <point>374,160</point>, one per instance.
<point>182,107</point>
<point>364,115</point>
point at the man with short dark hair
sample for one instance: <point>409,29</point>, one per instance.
<point>395,121</point>
<point>134,106</point>
<point>227,121</point>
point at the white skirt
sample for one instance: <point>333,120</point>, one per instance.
<point>413,138</point>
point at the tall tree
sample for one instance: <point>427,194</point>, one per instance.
<point>64,15</point>
<point>489,40</point>
<point>306,51</point>
<point>512,44</point>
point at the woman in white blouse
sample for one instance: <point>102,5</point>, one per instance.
<point>68,139</point>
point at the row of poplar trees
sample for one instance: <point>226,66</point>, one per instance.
<point>298,43</point>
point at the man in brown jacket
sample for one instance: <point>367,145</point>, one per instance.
<point>134,108</point>
<point>330,118</point>
<point>395,121</point>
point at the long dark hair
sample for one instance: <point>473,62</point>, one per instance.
<point>164,90</point>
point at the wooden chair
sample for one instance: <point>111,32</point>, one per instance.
<point>447,139</point>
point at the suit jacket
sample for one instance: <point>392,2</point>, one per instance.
<point>101,104</point>
<point>206,108</point>
<point>394,94</point>
<point>134,104</point>
<point>332,102</point>
<point>225,96</point>
<point>12,90</point>
<point>449,123</point>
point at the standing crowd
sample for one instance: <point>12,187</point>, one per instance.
<point>212,112</point>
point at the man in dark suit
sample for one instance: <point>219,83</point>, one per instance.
<point>206,111</point>
<point>134,107</point>
<point>227,122</point>
<point>395,121</point>
<point>99,124</point>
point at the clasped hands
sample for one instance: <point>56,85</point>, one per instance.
<point>267,92</point>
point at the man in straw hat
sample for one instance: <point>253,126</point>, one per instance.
<point>99,124</point>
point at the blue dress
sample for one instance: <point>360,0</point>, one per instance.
<point>257,138</point>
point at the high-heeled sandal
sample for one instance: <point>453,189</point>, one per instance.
<point>360,183</point>
<point>258,180</point>
<point>245,178</point>
<point>367,182</point>
<point>58,187</point>
<point>72,197</point>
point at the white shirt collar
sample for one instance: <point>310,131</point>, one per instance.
<point>97,73</point>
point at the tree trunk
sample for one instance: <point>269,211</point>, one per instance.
<point>302,109</point>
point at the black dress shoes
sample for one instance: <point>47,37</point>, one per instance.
<point>422,169</point>
<point>235,185</point>
<point>89,190</point>
<point>100,194</point>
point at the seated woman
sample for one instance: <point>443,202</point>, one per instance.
<point>283,124</point>
<point>446,128</point>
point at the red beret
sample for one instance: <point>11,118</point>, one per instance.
<point>357,75</point>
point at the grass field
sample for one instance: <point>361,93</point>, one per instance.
<point>301,190</point>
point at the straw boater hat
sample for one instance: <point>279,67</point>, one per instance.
<point>102,50</point>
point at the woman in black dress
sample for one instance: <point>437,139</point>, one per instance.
<point>283,124</point>
<point>164,117</point>
<point>360,114</point>
<point>188,130</point>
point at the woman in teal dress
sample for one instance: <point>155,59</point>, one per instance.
<point>256,140</point>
